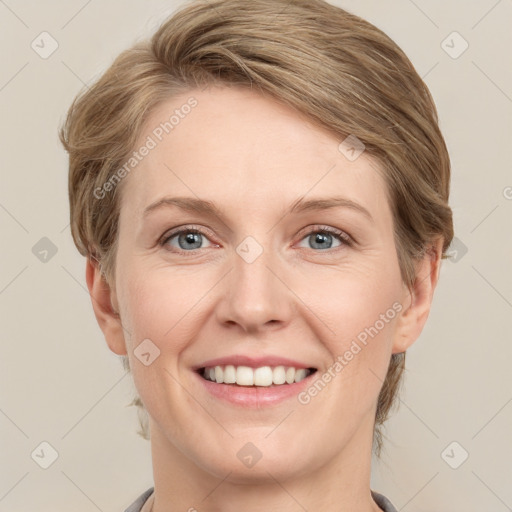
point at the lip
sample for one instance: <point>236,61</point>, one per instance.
<point>252,362</point>
<point>253,396</point>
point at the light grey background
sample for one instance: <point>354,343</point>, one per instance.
<point>61,384</point>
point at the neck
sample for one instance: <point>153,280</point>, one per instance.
<point>340,485</point>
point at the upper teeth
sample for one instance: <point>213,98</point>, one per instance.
<point>247,376</point>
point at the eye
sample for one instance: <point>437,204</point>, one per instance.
<point>191,239</point>
<point>187,239</point>
<point>323,238</point>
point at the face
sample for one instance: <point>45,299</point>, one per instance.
<point>268,280</point>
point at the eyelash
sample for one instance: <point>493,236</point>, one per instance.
<point>340,235</point>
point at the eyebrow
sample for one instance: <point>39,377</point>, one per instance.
<point>209,208</point>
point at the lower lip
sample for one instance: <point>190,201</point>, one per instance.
<point>254,396</point>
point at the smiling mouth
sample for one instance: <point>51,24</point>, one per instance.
<point>264,376</point>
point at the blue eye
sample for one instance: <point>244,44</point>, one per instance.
<point>188,239</point>
<point>323,238</point>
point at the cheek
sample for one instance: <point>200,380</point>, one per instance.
<point>161,305</point>
<point>361,309</point>
<point>360,350</point>
<point>355,299</point>
<point>159,310</point>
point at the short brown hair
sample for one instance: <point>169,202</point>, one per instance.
<point>335,68</point>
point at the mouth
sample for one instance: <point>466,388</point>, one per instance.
<point>253,381</point>
<point>260,377</point>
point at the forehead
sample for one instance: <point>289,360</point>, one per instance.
<point>237,147</point>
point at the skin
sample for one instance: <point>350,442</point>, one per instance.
<point>253,157</point>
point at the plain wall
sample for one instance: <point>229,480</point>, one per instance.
<point>61,384</point>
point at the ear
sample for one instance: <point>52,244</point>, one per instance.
<point>417,302</point>
<point>104,303</point>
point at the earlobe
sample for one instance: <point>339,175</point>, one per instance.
<point>419,298</point>
<point>104,303</point>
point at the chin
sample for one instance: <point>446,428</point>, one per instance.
<point>259,460</point>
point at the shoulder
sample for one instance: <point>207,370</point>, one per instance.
<point>137,505</point>
<point>380,499</point>
<point>383,502</point>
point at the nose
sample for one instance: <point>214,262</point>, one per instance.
<point>255,296</point>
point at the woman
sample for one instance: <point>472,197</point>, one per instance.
<point>261,192</point>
